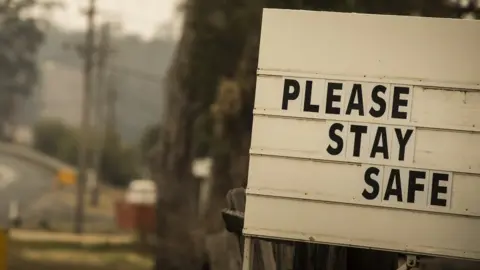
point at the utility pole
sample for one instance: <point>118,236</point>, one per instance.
<point>104,51</point>
<point>111,114</point>
<point>88,52</point>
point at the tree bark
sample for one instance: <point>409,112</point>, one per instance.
<point>171,168</point>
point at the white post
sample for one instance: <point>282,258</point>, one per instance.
<point>13,212</point>
<point>91,179</point>
<point>247,263</point>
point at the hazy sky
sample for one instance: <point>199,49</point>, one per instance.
<point>138,16</point>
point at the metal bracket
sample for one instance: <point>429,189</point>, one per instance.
<point>412,262</point>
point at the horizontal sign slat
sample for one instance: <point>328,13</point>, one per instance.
<point>360,226</point>
<point>433,108</point>
<point>349,183</point>
<point>311,139</point>
<point>377,46</point>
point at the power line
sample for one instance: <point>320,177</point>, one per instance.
<point>128,71</point>
<point>114,13</point>
<point>150,77</point>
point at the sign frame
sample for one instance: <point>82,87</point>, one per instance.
<point>287,53</point>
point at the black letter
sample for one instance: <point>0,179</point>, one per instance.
<point>402,141</point>
<point>372,183</point>
<point>413,185</point>
<point>336,138</point>
<point>331,87</point>
<point>287,95</point>
<point>308,106</point>
<point>380,138</point>
<point>397,102</point>
<point>436,189</point>
<point>357,143</point>
<point>394,178</point>
<point>380,101</point>
<point>352,105</point>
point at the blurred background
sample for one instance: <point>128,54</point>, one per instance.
<point>124,124</point>
<point>44,51</point>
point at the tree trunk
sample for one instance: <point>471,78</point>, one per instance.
<point>231,168</point>
<point>171,169</point>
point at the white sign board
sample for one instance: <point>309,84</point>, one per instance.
<point>366,133</point>
<point>141,191</point>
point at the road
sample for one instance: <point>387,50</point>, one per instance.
<point>30,184</point>
<point>22,181</point>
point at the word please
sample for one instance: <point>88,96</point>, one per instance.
<point>348,98</point>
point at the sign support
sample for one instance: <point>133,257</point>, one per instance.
<point>248,254</point>
<point>412,262</point>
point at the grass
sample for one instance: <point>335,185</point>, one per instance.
<point>61,251</point>
<point>69,238</point>
<point>57,208</point>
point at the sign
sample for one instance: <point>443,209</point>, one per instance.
<point>66,176</point>
<point>141,191</point>
<point>351,134</point>
<point>364,135</point>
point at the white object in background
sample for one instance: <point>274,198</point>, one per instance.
<point>91,179</point>
<point>141,191</point>
<point>23,135</point>
<point>7,175</point>
<point>202,167</point>
<point>13,210</point>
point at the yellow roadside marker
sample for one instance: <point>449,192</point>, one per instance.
<point>3,249</point>
<point>66,176</point>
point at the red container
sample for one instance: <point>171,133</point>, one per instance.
<point>138,217</point>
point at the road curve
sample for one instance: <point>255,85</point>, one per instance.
<point>23,181</point>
